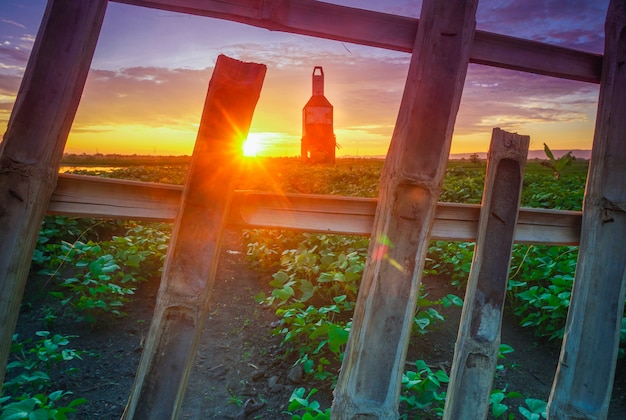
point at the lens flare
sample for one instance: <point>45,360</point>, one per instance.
<point>252,146</point>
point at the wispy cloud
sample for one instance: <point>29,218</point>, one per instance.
<point>510,100</point>
<point>9,85</point>
<point>364,84</point>
<point>364,91</point>
<point>142,96</point>
<point>571,23</point>
<point>12,22</point>
<point>13,54</point>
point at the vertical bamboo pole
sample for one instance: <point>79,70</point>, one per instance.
<point>478,342</point>
<point>584,379</point>
<point>369,382</point>
<point>33,144</point>
<point>189,271</point>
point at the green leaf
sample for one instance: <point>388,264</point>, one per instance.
<point>307,289</point>
<point>337,337</point>
<point>283,294</point>
<point>536,406</point>
<point>326,277</point>
<point>528,415</point>
<point>56,395</point>
<point>548,152</point>
<point>499,409</point>
<point>18,410</point>
<point>456,301</point>
<point>280,278</point>
<point>76,402</point>
<point>42,414</point>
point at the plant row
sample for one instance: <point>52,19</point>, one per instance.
<point>314,286</point>
<point>94,267</point>
<point>91,269</point>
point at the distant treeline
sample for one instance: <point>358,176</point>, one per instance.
<point>100,159</point>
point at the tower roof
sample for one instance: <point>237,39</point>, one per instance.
<point>318,101</point>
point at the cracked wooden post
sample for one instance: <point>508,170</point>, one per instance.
<point>33,144</point>
<point>192,257</point>
<point>478,341</point>
<point>370,377</point>
<point>584,378</point>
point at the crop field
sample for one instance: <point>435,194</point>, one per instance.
<point>94,268</point>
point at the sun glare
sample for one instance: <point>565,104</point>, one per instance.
<point>252,146</point>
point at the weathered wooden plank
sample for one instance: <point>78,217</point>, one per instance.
<point>584,379</point>
<point>34,141</point>
<point>373,364</point>
<point>393,32</point>
<point>91,196</point>
<point>478,341</point>
<point>191,262</point>
<point>86,196</point>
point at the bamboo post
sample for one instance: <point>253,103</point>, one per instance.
<point>478,342</point>
<point>189,271</point>
<point>33,144</point>
<point>584,378</point>
<point>369,381</point>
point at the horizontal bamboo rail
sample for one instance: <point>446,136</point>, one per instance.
<point>89,196</point>
<point>383,30</point>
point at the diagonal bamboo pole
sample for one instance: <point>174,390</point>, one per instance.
<point>31,151</point>
<point>369,382</point>
<point>584,378</point>
<point>189,271</point>
<point>478,341</point>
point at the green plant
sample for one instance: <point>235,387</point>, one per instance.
<point>557,165</point>
<point>98,277</point>
<point>265,247</point>
<point>99,286</point>
<point>235,399</point>
<point>26,392</point>
<point>497,402</point>
<point>540,287</point>
<point>39,406</point>
<point>314,335</point>
<point>451,259</point>
<point>534,410</point>
<point>32,360</point>
<point>314,294</point>
<point>463,184</point>
<point>301,407</point>
<point>423,391</point>
<point>427,314</point>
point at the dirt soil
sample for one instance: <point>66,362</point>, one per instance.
<point>239,372</point>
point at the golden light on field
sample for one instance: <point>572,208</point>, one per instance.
<point>131,139</point>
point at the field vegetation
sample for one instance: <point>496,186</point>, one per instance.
<point>94,268</point>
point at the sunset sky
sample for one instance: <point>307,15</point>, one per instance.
<point>148,79</point>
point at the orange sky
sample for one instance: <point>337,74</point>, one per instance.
<point>156,111</point>
<point>151,69</point>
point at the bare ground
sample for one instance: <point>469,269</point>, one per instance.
<point>239,371</point>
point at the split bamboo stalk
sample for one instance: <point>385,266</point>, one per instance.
<point>584,378</point>
<point>192,257</point>
<point>478,341</point>
<point>33,144</point>
<point>369,381</point>
<point>92,196</point>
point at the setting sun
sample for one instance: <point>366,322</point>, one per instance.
<point>252,145</point>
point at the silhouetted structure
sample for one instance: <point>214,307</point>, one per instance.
<point>318,139</point>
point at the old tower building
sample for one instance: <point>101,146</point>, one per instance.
<point>318,139</point>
